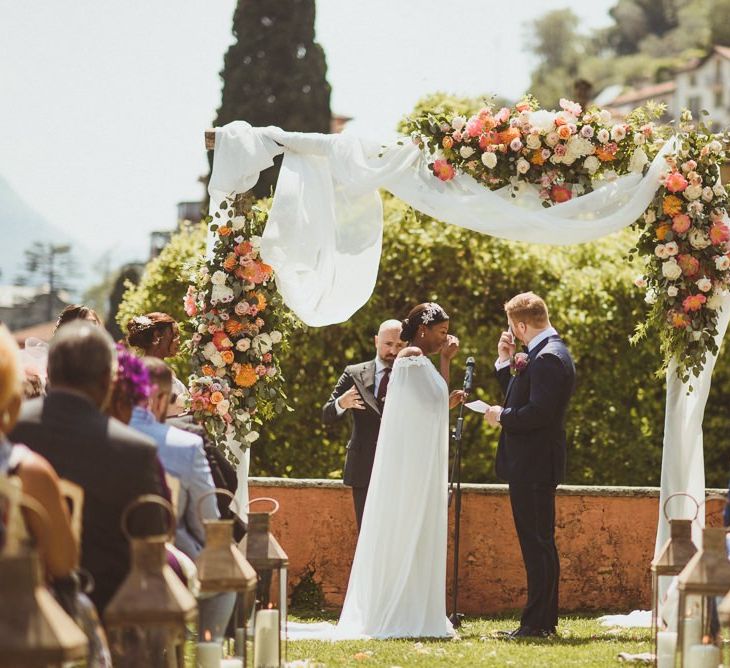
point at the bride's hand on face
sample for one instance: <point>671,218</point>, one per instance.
<point>410,351</point>
<point>456,397</point>
<point>450,347</point>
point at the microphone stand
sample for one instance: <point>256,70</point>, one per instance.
<point>455,493</point>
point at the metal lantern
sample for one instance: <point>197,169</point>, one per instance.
<point>723,612</point>
<point>147,618</point>
<point>223,568</point>
<point>671,560</point>
<point>34,629</point>
<point>265,554</point>
<point>706,576</point>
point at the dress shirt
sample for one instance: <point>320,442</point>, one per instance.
<point>536,340</point>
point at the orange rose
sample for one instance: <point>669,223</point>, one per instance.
<point>229,264</point>
<point>208,370</point>
<point>246,376</point>
<point>508,135</point>
<point>216,397</point>
<point>564,132</point>
<point>225,231</point>
<point>604,155</point>
<point>261,301</point>
<point>227,356</point>
<point>672,205</point>
<point>447,142</point>
<point>234,327</point>
<point>661,231</point>
<point>537,158</point>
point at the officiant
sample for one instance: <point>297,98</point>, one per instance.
<point>361,391</point>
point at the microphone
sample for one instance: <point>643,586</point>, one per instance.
<point>469,375</point>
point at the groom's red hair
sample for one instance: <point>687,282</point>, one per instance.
<point>527,307</point>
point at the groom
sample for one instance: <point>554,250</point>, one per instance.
<point>531,455</point>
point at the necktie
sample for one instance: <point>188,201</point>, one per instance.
<point>383,387</point>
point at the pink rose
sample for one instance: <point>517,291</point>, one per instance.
<point>675,183</point>
<point>719,234</point>
<point>443,170</point>
<point>191,308</point>
<point>474,126</point>
<point>681,223</point>
<point>502,115</point>
<point>560,150</point>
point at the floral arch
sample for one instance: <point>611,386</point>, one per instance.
<point>520,173</point>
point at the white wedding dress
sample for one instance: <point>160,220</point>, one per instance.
<point>397,585</point>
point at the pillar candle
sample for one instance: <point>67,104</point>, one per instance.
<point>666,642</point>
<point>703,656</point>
<point>692,633</point>
<point>266,639</point>
<point>232,663</point>
<point>209,655</point>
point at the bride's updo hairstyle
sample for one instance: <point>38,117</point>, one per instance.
<point>143,329</point>
<point>424,314</point>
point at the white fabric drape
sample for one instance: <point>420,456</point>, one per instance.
<point>323,237</point>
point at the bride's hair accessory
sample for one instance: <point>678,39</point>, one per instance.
<point>431,312</point>
<point>142,321</point>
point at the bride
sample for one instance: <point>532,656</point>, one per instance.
<point>397,585</point>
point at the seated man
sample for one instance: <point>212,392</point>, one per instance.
<point>111,462</point>
<point>182,456</point>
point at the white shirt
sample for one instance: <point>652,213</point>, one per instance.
<point>380,367</point>
<point>536,341</point>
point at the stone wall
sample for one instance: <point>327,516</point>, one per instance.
<point>605,537</point>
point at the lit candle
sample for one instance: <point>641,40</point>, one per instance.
<point>210,653</point>
<point>666,642</point>
<point>266,640</point>
<point>703,656</point>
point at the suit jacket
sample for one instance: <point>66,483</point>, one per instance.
<point>365,423</point>
<point>113,464</point>
<point>182,456</point>
<point>532,447</point>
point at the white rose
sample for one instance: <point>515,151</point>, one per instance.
<point>715,146</point>
<point>605,116</point>
<point>707,194</point>
<point>661,251</point>
<point>218,278</point>
<point>592,163</point>
<point>671,269</point>
<point>242,345</point>
<point>221,293</point>
<point>671,248</point>
<point>639,138</point>
<point>458,122</point>
<point>552,138</point>
<point>704,284</point>
<point>719,190</point>
<point>698,239</point>
<point>618,132</point>
<point>650,216</point>
<point>489,160</point>
<point>638,161</point>
<point>238,222</point>
<point>543,120</point>
<point>603,135</point>
<point>251,437</point>
<point>466,152</point>
<point>533,141</point>
<point>523,166</point>
<point>722,263</point>
<point>276,336</point>
<point>209,349</point>
<point>650,297</point>
<point>202,328</point>
<point>715,301</point>
<point>216,359</point>
<point>693,192</point>
<point>223,406</point>
<point>640,282</point>
<point>672,291</point>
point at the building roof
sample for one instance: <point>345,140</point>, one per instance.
<point>646,93</point>
<point>16,295</point>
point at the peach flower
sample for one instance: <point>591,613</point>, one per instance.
<point>719,234</point>
<point>681,223</point>
<point>693,303</point>
<point>675,182</point>
<point>246,376</point>
<point>444,170</point>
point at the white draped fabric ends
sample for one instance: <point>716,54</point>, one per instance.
<point>397,585</point>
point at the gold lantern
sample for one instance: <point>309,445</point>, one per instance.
<point>148,617</point>
<point>223,568</point>
<point>34,629</point>
<point>706,575</point>
<point>671,560</point>
<point>265,554</point>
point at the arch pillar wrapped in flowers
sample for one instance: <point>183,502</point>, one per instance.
<point>518,173</point>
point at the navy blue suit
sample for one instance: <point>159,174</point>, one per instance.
<point>531,457</point>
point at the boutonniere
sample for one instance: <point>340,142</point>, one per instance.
<point>518,363</point>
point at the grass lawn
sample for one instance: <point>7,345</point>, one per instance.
<point>582,642</point>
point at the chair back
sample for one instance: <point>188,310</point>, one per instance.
<point>73,494</point>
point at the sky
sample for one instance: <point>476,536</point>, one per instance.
<point>103,103</point>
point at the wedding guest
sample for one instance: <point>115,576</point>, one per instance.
<point>361,390</point>
<point>158,335</point>
<point>77,312</point>
<point>112,463</point>
<point>131,387</point>
<point>37,478</point>
<point>182,456</point>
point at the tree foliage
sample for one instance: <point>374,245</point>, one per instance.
<point>275,73</point>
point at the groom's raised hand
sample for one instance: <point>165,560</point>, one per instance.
<point>506,346</point>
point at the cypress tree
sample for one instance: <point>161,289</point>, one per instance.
<point>275,73</point>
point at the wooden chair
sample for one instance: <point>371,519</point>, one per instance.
<point>173,485</point>
<point>74,496</point>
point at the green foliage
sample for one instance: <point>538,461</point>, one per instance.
<point>164,283</point>
<point>275,73</point>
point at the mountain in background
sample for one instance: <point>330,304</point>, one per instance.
<point>20,226</point>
